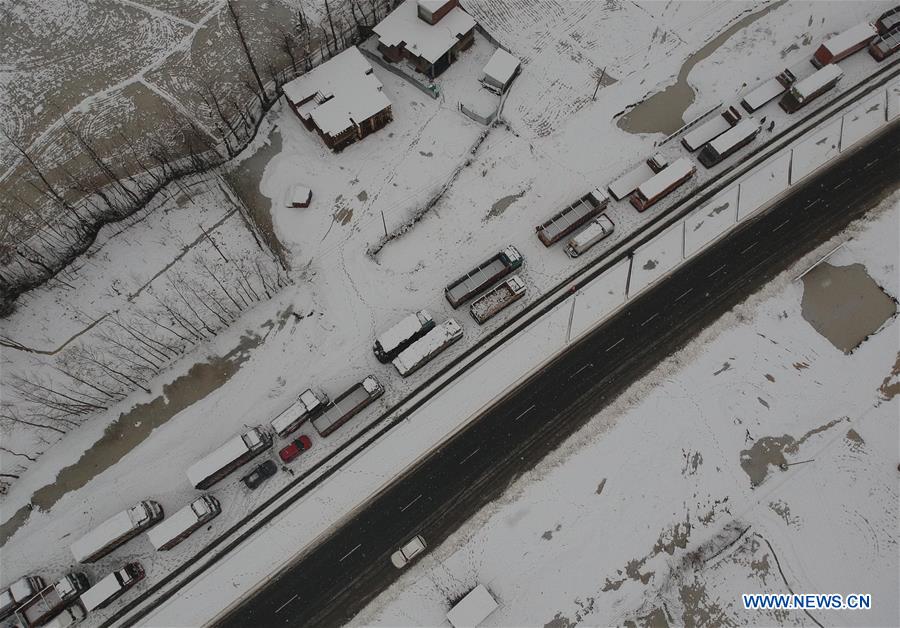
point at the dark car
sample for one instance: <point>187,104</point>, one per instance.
<point>295,448</point>
<point>260,474</point>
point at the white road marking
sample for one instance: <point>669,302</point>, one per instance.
<point>684,294</point>
<point>715,271</point>
<point>781,225</point>
<point>617,342</point>
<point>350,552</point>
<point>470,455</point>
<point>813,203</point>
<point>870,164</point>
<point>750,247</point>
<point>524,413</point>
<point>277,610</point>
<point>589,364</point>
<point>411,503</point>
<point>649,319</point>
<point>841,184</point>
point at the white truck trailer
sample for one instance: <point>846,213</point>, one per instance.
<point>804,92</point>
<point>116,531</point>
<point>112,586</point>
<point>232,454</point>
<point>598,229</point>
<point>405,332</point>
<point>728,143</point>
<point>428,347</point>
<point>184,522</point>
<point>306,406</point>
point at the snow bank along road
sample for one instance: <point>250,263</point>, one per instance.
<point>336,578</point>
<point>553,298</point>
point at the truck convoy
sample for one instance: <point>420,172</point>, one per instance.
<point>482,276</point>
<point>112,586</point>
<point>492,303</point>
<point>427,347</point>
<point>804,92</point>
<point>51,600</point>
<point>116,531</point>
<point>572,217</point>
<point>18,593</point>
<point>307,405</point>
<point>231,455</point>
<point>711,129</point>
<point>183,523</point>
<point>662,184</point>
<point>726,144</point>
<point>409,329</point>
<point>844,44</point>
<point>347,405</point>
<point>599,228</point>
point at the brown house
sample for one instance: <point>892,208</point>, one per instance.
<point>428,33</point>
<point>341,100</point>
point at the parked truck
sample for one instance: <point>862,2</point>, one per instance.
<point>405,332</point>
<point>729,142</point>
<point>885,45</point>
<point>663,183</point>
<point>711,129</point>
<point>116,531</point>
<point>634,178</point>
<point>481,277</point>
<point>69,616</point>
<point>184,522</point>
<point>599,228</point>
<point>18,593</point>
<point>347,405</point>
<point>229,456</point>
<point>306,406</point>
<point>112,586</point>
<point>427,347</point>
<point>844,44</point>
<point>492,303</point>
<point>888,21</point>
<point>572,217</point>
<point>804,92</point>
<point>51,600</point>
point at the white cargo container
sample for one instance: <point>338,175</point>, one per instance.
<point>663,183</point>
<point>597,229</point>
<point>767,92</point>
<point>112,586</point>
<point>409,329</point>
<point>803,92</point>
<point>307,405</point>
<point>630,181</point>
<point>428,347</point>
<point>183,523</point>
<point>727,143</point>
<point>116,531</point>
<point>231,455</point>
<point>473,609</point>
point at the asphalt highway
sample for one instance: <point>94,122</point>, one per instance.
<point>332,582</point>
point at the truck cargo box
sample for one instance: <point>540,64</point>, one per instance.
<point>598,229</point>
<point>235,452</point>
<point>410,328</point>
<point>663,183</point>
<point>307,405</point>
<point>428,347</point>
<point>481,277</point>
<point>492,303</point>
<point>572,217</point>
<point>347,405</point>
<point>844,44</point>
<point>116,531</point>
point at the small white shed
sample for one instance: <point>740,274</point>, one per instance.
<point>300,196</point>
<point>473,609</point>
<point>500,70</point>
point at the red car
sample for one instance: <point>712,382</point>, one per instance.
<point>295,448</point>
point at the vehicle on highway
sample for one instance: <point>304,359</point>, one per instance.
<point>232,454</point>
<point>482,276</point>
<point>663,183</point>
<point>50,601</point>
<point>17,593</point>
<point>572,217</point>
<point>112,586</point>
<point>804,92</point>
<point>347,405</point>
<point>307,405</point>
<point>409,329</point>
<point>116,531</point>
<point>184,522</point>
<point>260,474</point>
<point>406,554</point>
<point>599,228</point>
<point>496,300</point>
<point>296,447</point>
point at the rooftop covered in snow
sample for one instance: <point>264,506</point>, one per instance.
<point>338,94</point>
<point>431,42</point>
<point>502,67</point>
<point>473,609</point>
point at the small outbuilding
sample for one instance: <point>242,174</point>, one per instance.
<point>500,71</point>
<point>428,33</point>
<point>473,609</point>
<point>342,100</point>
<point>300,196</point>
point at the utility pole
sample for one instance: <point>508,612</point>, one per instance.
<point>599,81</point>
<point>384,223</point>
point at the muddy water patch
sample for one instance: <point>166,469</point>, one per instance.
<point>663,112</point>
<point>844,304</point>
<point>134,426</point>
<point>769,452</point>
<point>502,205</point>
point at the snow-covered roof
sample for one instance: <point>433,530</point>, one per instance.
<point>707,131</point>
<point>850,38</point>
<point>631,180</point>
<point>116,526</point>
<point>215,460</point>
<point>432,5</point>
<point>418,36</point>
<point>428,346</point>
<point>344,91</point>
<point>808,86</point>
<point>300,194</point>
<point>178,523</point>
<point>100,592</point>
<point>664,178</point>
<point>763,94</point>
<point>473,609</point>
<point>600,226</point>
<point>501,67</point>
<point>21,589</point>
<point>407,327</point>
<point>738,133</point>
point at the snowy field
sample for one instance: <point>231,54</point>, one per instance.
<point>318,332</point>
<point>631,519</point>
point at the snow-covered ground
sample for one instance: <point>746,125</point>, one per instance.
<point>558,144</point>
<point>631,519</point>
